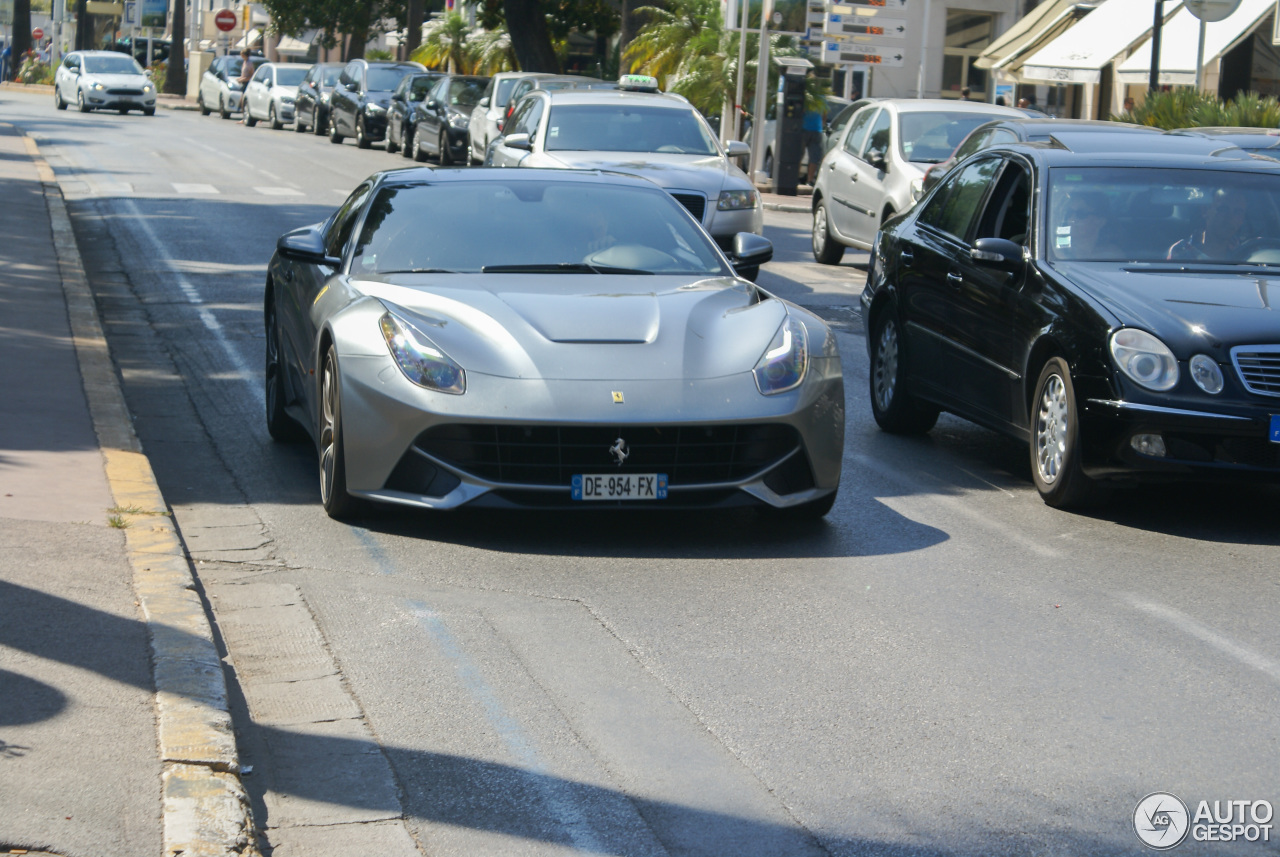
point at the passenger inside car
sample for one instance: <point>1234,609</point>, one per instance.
<point>1221,233</point>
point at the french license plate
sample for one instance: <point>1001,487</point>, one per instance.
<point>618,486</point>
<point>1275,428</point>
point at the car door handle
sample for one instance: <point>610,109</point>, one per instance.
<point>907,256</point>
<point>955,279</point>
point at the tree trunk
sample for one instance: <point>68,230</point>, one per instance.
<point>21,36</point>
<point>627,32</point>
<point>413,32</point>
<point>527,24</point>
<point>175,78</point>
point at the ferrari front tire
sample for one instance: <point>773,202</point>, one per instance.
<point>338,504</point>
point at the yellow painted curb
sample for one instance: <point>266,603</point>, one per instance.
<point>206,811</point>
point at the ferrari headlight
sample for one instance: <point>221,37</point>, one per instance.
<point>785,361</point>
<point>419,359</point>
<point>1145,359</point>
<point>457,120</point>
<point>737,200</point>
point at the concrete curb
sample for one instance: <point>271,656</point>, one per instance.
<point>786,206</point>
<point>206,812</point>
<point>27,87</point>
<point>175,103</point>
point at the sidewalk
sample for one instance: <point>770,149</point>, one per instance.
<point>114,732</point>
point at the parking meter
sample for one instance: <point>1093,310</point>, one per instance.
<point>788,147</point>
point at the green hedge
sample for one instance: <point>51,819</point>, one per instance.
<point>1186,108</point>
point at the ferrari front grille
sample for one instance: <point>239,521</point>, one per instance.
<point>1259,368</point>
<point>695,202</point>
<point>553,454</point>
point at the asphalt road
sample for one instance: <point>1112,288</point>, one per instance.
<point>944,666</point>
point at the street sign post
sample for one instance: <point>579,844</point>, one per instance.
<point>225,20</point>
<point>866,53</point>
<point>1208,11</point>
<point>864,25</point>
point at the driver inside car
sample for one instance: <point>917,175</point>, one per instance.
<point>1222,231</point>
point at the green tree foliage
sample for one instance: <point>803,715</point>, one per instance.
<point>1186,108</point>
<point>444,44</point>
<point>358,20</point>
<point>688,49</point>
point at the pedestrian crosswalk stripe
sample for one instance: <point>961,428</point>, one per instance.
<point>278,191</point>
<point>194,188</point>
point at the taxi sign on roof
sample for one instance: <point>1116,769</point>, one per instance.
<point>638,83</point>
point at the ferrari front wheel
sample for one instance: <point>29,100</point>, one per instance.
<point>333,466</point>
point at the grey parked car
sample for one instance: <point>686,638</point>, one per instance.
<point>647,133</point>
<point>602,354</point>
<point>487,117</point>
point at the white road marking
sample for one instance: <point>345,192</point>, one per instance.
<point>192,294</point>
<point>1204,634</point>
<point>278,191</point>
<point>112,188</point>
<point>194,188</point>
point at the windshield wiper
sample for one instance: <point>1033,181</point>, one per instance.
<point>423,271</point>
<point>560,268</point>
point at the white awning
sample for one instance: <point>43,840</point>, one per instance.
<point>1078,55</point>
<point>291,47</point>
<point>251,39</point>
<point>1180,40</point>
<point>1042,24</point>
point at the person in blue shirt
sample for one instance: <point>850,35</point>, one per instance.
<point>812,138</point>
<point>4,62</point>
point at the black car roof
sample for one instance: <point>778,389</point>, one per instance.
<point>1247,138</point>
<point>1155,150</point>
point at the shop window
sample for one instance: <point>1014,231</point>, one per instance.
<point>968,33</point>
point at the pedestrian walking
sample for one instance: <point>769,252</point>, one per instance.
<point>811,135</point>
<point>4,61</point>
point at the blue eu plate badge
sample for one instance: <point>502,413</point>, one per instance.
<point>1275,428</point>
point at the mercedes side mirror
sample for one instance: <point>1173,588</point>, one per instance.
<point>750,250</point>
<point>737,149</point>
<point>997,253</point>
<point>306,245</point>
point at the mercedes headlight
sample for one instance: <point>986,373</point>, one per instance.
<point>737,200</point>
<point>1145,359</point>
<point>1206,374</point>
<point>785,361</point>
<point>421,361</point>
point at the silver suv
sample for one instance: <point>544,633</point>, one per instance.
<point>876,169</point>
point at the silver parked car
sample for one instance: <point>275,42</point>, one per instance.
<point>647,133</point>
<point>103,80</point>
<point>602,354</point>
<point>486,118</point>
<point>271,93</point>
<point>876,169</point>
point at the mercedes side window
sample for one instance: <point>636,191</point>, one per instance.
<point>1008,211</point>
<point>858,130</point>
<point>952,208</point>
<point>339,231</point>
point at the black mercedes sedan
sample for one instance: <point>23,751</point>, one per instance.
<point>311,104</point>
<point>1112,310</point>
<point>359,102</point>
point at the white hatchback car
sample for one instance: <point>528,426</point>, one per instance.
<point>876,169</point>
<point>271,93</point>
<point>103,80</point>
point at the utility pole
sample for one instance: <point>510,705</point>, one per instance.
<point>1153,82</point>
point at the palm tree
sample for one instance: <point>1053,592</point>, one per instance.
<point>490,51</point>
<point>664,46</point>
<point>445,43</point>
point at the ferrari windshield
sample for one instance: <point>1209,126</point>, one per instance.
<point>627,128</point>
<point>1136,214</point>
<point>531,226</point>
<point>111,65</point>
